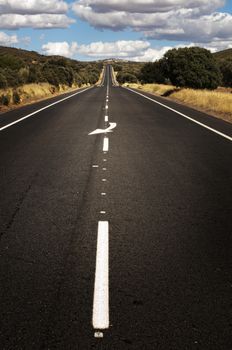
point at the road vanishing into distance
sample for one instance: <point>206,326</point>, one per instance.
<point>116,224</point>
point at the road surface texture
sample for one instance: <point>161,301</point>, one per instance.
<point>118,239</point>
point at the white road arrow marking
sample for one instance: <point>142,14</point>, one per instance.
<point>104,131</point>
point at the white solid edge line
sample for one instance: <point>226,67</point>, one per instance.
<point>183,115</point>
<point>106,118</point>
<point>106,144</point>
<point>100,319</point>
<point>42,109</point>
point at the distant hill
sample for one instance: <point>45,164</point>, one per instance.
<point>27,75</point>
<point>19,67</point>
<point>223,55</point>
<point>25,55</point>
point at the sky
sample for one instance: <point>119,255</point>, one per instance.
<point>139,30</point>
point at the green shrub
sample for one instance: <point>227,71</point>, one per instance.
<point>16,98</point>
<point>92,78</point>
<point>123,78</point>
<point>3,81</point>
<point>117,67</point>
<point>19,67</point>
<point>11,77</point>
<point>78,79</point>
<point>23,75</point>
<point>152,73</point>
<point>11,62</point>
<point>4,100</point>
<point>192,67</point>
<point>226,70</point>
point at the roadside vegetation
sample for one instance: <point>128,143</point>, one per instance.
<point>127,72</point>
<point>193,76</point>
<point>26,75</point>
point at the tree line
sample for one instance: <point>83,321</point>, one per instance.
<point>192,67</point>
<point>16,71</point>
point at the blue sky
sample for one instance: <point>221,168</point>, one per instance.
<point>135,29</point>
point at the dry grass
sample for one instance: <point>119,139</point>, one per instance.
<point>158,89</point>
<point>212,101</point>
<point>30,93</point>
<point>100,78</point>
<point>218,102</point>
<point>114,76</point>
<point>35,91</point>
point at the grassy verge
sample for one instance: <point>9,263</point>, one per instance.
<point>100,78</point>
<point>217,103</point>
<point>158,89</point>
<point>14,97</point>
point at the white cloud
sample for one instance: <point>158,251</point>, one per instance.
<point>60,49</point>
<point>8,40</point>
<point>149,6</point>
<point>120,49</point>
<point>136,50</point>
<point>177,20</point>
<point>34,14</point>
<point>16,21</point>
<point>152,55</point>
<point>206,28</point>
<point>133,50</point>
<point>33,6</point>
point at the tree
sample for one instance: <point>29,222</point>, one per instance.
<point>126,78</point>
<point>23,75</point>
<point>152,73</point>
<point>192,67</point>
<point>11,62</point>
<point>117,67</point>
<point>226,70</point>
<point>3,81</point>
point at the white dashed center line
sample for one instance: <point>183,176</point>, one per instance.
<point>100,318</point>
<point>106,144</point>
<point>98,335</point>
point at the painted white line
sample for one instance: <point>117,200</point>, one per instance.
<point>104,169</point>
<point>42,109</point>
<point>100,317</point>
<point>104,180</point>
<point>183,115</point>
<point>103,194</point>
<point>102,212</point>
<point>104,160</point>
<point>95,166</point>
<point>106,144</point>
<point>106,118</point>
<point>110,128</point>
<point>98,335</point>
<point>107,107</point>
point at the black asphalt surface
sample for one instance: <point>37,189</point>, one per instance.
<point>168,202</point>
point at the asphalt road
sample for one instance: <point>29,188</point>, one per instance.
<point>163,187</point>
